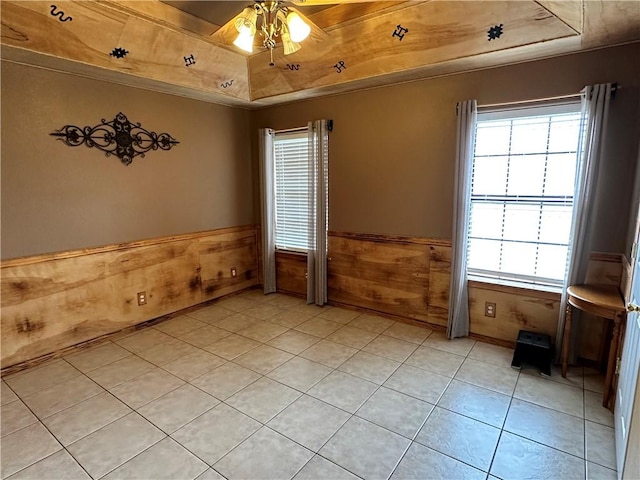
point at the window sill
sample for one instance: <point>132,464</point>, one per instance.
<point>292,253</point>
<point>541,291</point>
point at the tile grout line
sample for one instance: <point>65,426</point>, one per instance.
<point>584,429</point>
<point>424,422</point>
<point>132,410</point>
<point>129,459</point>
<point>333,369</point>
<point>504,422</point>
<point>305,393</point>
<point>63,447</point>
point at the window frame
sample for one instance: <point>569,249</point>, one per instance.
<point>296,133</point>
<point>514,113</point>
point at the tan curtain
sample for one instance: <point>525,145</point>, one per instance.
<point>267,203</point>
<point>318,212</point>
<point>595,111</point>
<point>458,323</point>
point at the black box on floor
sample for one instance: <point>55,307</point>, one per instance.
<point>534,349</point>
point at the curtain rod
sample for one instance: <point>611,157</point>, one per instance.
<point>304,129</point>
<point>526,102</point>
<point>615,87</point>
<point>291,130</point>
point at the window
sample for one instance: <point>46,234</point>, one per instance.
<point>522,185</point>
<point>291,190</point>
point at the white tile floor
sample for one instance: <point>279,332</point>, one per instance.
<point>268,387</point>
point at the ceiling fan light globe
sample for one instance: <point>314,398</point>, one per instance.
<point>298,28</point>
<point>288,45</point>
<point>246,20</point>
<point>244,41</point>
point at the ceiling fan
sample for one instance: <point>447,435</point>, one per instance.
<point>269,22</point>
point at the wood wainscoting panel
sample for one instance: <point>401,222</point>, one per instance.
<point>39,299</point>
<point>409,277</point>
<point>167,273</point>
<point>516,309</point>
<point>291,273</point>
<point>219,253</point>
<point>439,284</point>
<point>53,301</point>
<point>594,332</point>
<point>605,268</point>
<point>381,273</point>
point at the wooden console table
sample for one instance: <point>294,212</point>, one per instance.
<point>604,301</point>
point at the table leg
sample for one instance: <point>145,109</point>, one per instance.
<point>611,364</point>
<point>566,339</point>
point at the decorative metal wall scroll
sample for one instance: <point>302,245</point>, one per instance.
<point>119,52</point>
<point>60,14</point>
<point>190,60</point>
<point>293,66</point>
<point>118,137</point>
<point>226,84</point>
<point>495,32</point>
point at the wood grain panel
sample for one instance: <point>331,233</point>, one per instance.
<point>388,277</point>
<point>37,300</point>
<point>352,12</point>
<point>569,12</point>
<point>609,23</point>
<point>388,238</point>
<point>439,284</point>
<point>519,310</point>
<point>167,273</point>
<point>220,253</point>
<point>167,15</point>
<point>410,278</point>
<point>438,32</point>
<point>444,37</point>
<point>155,52</point>
<point>50,302</point>
<point>604,268</point>
<point>291,271</point>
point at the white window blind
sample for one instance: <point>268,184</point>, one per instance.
<point>523,180</point>
<point>292,187</point>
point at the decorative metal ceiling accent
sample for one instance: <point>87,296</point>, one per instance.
<point>495,32</point>
<point>60,14</point>
<point>118,137</point>
<point>119,52</point>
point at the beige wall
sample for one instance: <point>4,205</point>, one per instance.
<point>392,150</point>
<point>391,166</point>
<point>56,197</point>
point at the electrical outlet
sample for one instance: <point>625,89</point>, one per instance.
<point>490,309</point>
<point>234,272</point>
<point>142,298</point>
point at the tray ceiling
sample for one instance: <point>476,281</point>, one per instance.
<point>180,47</point>
<point>219,13</point>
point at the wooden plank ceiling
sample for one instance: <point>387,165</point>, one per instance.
<point>176,46</point>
